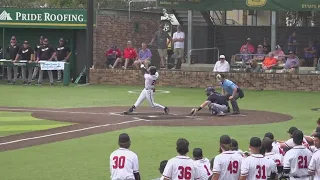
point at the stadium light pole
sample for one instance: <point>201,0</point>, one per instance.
<point>89,37</point>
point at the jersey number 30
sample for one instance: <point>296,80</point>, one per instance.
<point>119,162</point>
<point>185,172</point>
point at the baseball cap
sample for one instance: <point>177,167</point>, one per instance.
<point>124,138</point>
<point>297,135</point>
<point>25,42</point>
<point>278,47</point>
<point>197,152</point>
<point>61,39</point>
<point>222,57</point>
<point>266,142</point>
<point>318,129</point>
<point>248,39</point>
<point>291,130</point>
<point>129,42</point>
<point>225,139</point>
<point>269,135</point>
<point>234,143</point>
<point>255,142</point>
<point>260,46</point>
<point>318,121</point>
<point>290,52</point>
<point>163,165</point>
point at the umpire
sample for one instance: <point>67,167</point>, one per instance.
<point>232,90</point>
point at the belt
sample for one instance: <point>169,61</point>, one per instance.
<point>149,88</point>
<point>304,176</point>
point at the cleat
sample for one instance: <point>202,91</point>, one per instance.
<point>59,81</point>
<point>236,112</point>
<point>29,83</point>
<point>129,111</point>
<point>51,84</point>
<point>25,83</point>
<point>166,110</point>
<point>38,84</point>
<point>220,113</point>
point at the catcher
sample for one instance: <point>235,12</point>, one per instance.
<point>217,103</point>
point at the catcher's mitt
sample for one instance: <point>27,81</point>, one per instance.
<point>193,112</point>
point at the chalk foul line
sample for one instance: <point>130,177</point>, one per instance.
<point>72,131</point>
<point>50,111</point>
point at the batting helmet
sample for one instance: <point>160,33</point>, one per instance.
<point>209,90</point>
<point>152,70</point>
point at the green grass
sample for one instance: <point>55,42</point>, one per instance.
<point>88,157</point>
<point>16,123</point>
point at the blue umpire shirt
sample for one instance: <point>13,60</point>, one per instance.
<point>228,86</point>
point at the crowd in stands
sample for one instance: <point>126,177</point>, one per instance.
<point>298,158</point>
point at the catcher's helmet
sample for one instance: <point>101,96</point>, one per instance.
<point>152,70</point>
<point>209,90</point>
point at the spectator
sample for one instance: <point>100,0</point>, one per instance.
<point>317,130</point>
<point>113,55</point>
<point>276,148</point>
<point>269,62</point>
<point>245,57</point>
<point>144,57</point>
<point>314,166</point>
<point>129,55</point>
<point>162,167</point>
<point>63,54</point>
<point>202,164</point>
<point>25,53</point>
<point>36,53</point>
<point>293,43</point>
<point>161,38</point>
<point>266,46</point>
<point>292,63</point>
<point>178,39</point>
<point>267,147</point>
<point>249,46</point>
<point>46,53</point>
<point>279,54</point>
<point>310,53</point>
<point>12,51</point>
<point>222,65</point>
<point>259,57</point>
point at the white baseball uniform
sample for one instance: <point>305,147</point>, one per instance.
<point>123,163</point>
<point>228,165</point>
<point>277,158</point>
<point>314,165</point>
<point>181,168</point>
<point>297,160</point>
<point>276,148</point>
<point>256,166</point>
<point>203,166</point>
<point>290,144</point>
<point>147,92</point>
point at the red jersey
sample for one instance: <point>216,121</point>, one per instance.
<point>130,53</point>
<point>114,52</point>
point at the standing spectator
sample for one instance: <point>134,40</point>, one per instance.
<point>63,54</point>
<point>297,159</point>
<point>227,164</point>
<point>12,51</point>
<point>46,53</point>
<point>112,55</point>
<point>293,43</point>
<point>310,53</point>
<point>129,55</point>
<point>144,57</point>
<point>161,37</point>
<point>279,54</point>
<point>222,65</point>
<point>269,62</point>
<point>266,46</point>
<point>36,52</point>
<point>202,164</point>
<point>178,39</point>
<point>314,166</point>
<point>181,163</point>
<point>124,163</point>
<point>161,168</point>
<point>26,53</point>
<point>292,63</point>
<point>249,46</point>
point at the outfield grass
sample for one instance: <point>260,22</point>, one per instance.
<point>88,157</point>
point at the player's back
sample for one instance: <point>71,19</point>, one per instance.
<point>297,160</point>
<point>181,168</point>
<point>276,148</point>
<point>123,163</point>
<point>150,81</point>
<point>314,165</point>
<point>277,158</point>
<point>203,166</point>
<point>228,165</point>
<point>257,167</point>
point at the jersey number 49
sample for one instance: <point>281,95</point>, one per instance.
<point>233,167</point>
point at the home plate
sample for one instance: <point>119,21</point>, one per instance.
<point>153,116</point>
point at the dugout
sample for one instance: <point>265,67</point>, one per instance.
<point>30,24</point>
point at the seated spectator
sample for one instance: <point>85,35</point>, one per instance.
<point>292,63</point>
<point>266,46</point>
<point>161,168</point>
<point>279,54</point>
<point>129,55</point>
<point>249,46</point>
<point>222,65</point>
<point>309,54</point>
<point>269,62</point>
<point>245,57</point>
<point>259,57</point>
<point>144,57</point>
<point>317,130</point>
<point>112,55</point>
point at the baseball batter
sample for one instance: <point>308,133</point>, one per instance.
<point>256,166</point>
<point>226,166</point>
<point>181,166</point>
<point>297,159</point>
<point>124,164</point>
<point>202,164</point>
<point>314,166</point>
<point>151,76</point>
<point>217,103</point>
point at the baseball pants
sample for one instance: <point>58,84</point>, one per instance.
<point>15,73</point>
<point>35,72</point>
<point>217,108</point>
<point>59,74</point>
<point>40,79</point>
<point>29,77</point>
<point>147,94</point>
<point>234,103</point>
